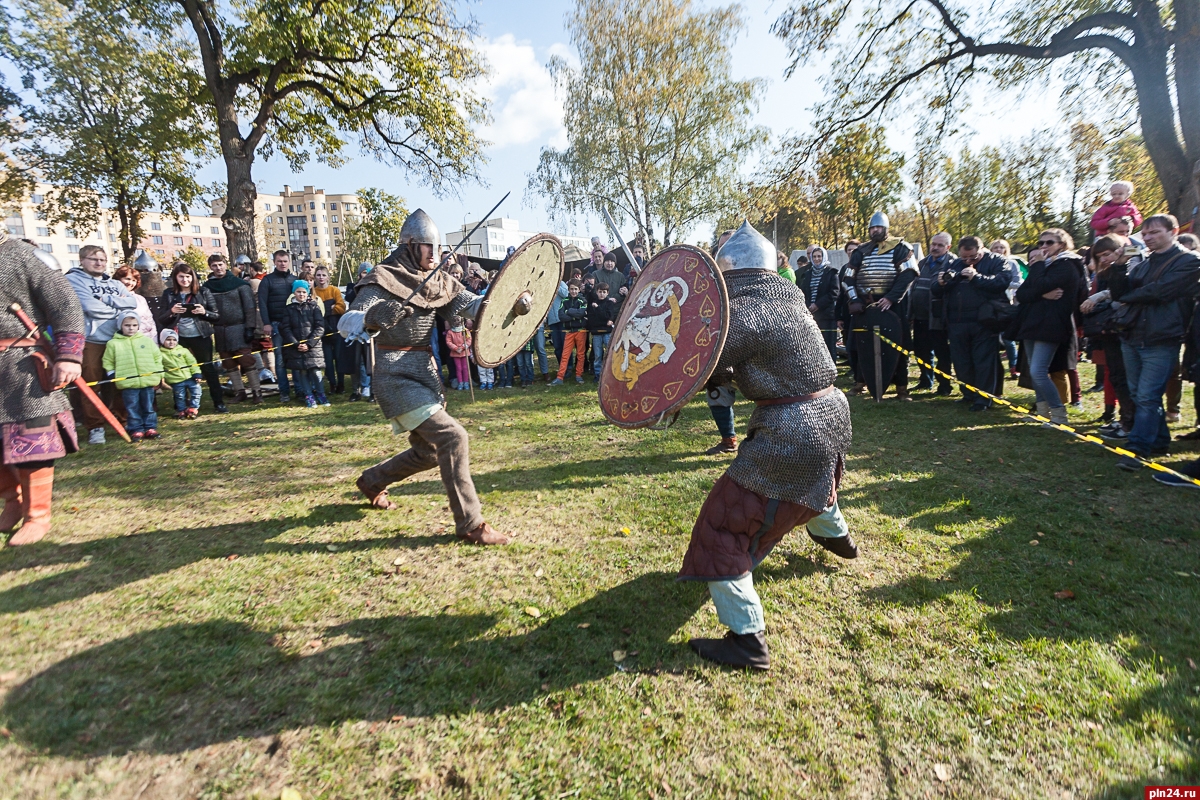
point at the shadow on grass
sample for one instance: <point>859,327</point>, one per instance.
<point>186,686</point>
<point>118,561</point>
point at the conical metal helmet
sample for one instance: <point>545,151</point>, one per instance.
<point>419,228</point>
<point>145,262</point>
<point>48,259</point>
<point>879,220</point>
<point>747,249</point>
<point>242,260</point>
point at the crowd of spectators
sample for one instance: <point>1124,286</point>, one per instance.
<point>975,311</point>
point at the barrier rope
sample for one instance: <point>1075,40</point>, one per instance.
<point>1034,416</point>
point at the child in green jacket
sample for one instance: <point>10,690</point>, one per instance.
<point>134,361</point>
<point>181,374</point>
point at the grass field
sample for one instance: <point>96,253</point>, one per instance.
<point>217,614</point>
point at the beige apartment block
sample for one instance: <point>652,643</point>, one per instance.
<point>165,238</point>
<point>308,223</point>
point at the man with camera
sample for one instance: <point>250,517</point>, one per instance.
<point>977,279</point>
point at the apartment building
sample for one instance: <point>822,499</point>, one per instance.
<point>308,222</point>
<point>165,238</point>
<point>495,236</point>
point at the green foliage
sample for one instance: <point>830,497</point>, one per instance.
<point>197,259</point>
<point>114,110</point>
<point>825,191</point>
<point>935,57</point>
<point>657,126</point>
<point>376,230</point>
<point>16,178</point>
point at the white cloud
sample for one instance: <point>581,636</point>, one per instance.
<point>524,108</point>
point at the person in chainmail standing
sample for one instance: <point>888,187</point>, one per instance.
<point>880,274</point>
<point>36,424</point>
<point>389,306</point>
<point>787,469</point>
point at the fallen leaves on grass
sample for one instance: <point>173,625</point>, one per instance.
<point>333,548</point>
<point>398,561</point>
<point>1065,594</point>
<point>533,611</point>
<point>1191,663</point>
<point>539,573</point>
<point>625,531</point>
<point>619,655</point>
<point>1033,541</point>
<point>288,793</point>
<point>942,772</point>
<point>588,625</point>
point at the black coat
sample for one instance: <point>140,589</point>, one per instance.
<point>302,322</point>
<point>235,329</point>
<point>1050,320</point>
<point>600,314</point>
<point>273,292</point>
<point>1165,304</point>
<point>963,298</point>
<point>826,296</point>
<point>204,322</point>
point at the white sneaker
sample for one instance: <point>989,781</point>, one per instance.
<point>96,436</point>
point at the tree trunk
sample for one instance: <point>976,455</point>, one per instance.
<point>1187,89</point>
<point>240,199</point>
<point>1150,77</point>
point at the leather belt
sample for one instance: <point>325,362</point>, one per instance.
<point>395,348</point>
<point>800,398</point>
<point>24,341</point>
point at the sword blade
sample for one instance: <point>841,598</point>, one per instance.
<point>612,226</point>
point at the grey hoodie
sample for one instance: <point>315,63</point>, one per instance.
<point>103,299</point>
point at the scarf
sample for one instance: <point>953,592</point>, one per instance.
<point>887,245</point>
<point>226,284</point>
<point>400,275</point>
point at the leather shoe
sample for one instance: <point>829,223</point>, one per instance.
<point>725,446</point>
<point>485,534</point>
<point>842,546</point>
<point>378,497</point>
<point>741,650</point>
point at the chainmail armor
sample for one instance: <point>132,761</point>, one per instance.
<point>49,300</point>
<point>792,451</point>
<point>407,379</point>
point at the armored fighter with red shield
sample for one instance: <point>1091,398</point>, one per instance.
<point>787,469</point>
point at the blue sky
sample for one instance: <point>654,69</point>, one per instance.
<point>518,39</point>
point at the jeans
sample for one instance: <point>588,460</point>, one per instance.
<point>307,381</point>
<point>556,339</point>
<point>1010,350</point>
<point>738,606</point>
<point>360,366</point>
<point>932,347</point>
<point>525,365</point>
<point>1148,369</point>
<point>139,408</point>
<point>202,348</point>
<point>335,354</point>
<point>600,342</point>
<point>975,353</point>
<point>280,370</point>
<point>187,394</point>
<point>1040,356</point>
<point>505,373</point>
<point>539,347</point>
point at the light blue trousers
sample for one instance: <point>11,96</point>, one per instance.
<point>738,605</point>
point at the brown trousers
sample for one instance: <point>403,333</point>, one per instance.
<point>110,395</point>
<point>437,442</point>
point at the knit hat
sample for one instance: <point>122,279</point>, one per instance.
<point>167,333</point>
<point>305,285</point>
<point>126,315</point>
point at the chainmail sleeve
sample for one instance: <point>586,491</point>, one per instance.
<point>46,296</point>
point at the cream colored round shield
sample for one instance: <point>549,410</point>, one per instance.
<point>535,267</point>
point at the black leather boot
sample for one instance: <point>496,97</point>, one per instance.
<point>741,650</point>
<point>842,546</point>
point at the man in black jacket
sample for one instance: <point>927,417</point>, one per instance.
<point>1161,290</point>
<point>273,293</point>
<point>929,323</point>
<point>975,279</point>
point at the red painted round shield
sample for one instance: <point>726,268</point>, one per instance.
<point>667,339</point>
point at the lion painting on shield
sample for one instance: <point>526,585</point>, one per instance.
<point>650,336</point>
